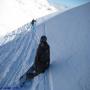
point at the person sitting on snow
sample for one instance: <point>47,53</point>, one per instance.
<point>42,59</point>
<point>41,63</point>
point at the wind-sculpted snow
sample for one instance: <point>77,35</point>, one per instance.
<point>14,56</point>
<point>17,55</point>
<point>15,34</point>
<point>68,35</point>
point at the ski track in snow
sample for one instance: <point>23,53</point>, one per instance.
<point>19,51</point>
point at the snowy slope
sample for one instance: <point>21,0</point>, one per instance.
<point>15,13</point>
<point>68,35</point>
<point>69,38</point>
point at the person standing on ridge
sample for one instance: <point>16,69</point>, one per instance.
<point>33,21</point>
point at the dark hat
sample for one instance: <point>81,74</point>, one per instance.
<point>43,38</point>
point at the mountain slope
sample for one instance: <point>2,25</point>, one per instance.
<point>15,13</point>
<point>68,35</point>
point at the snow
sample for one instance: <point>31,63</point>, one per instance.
<point>68,35</point>
<point>15,13</point>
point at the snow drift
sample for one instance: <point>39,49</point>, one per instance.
<point>68,34</point>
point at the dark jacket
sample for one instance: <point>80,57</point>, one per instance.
<point>42,59</point>
<point>33,21</point>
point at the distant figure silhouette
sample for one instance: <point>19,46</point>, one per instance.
<point>33,21</point>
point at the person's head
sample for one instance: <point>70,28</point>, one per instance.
<point>43,39</point>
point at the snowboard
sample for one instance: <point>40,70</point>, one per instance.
<point>29,75</point>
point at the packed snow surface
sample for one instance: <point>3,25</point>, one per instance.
<point>68,35</point>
